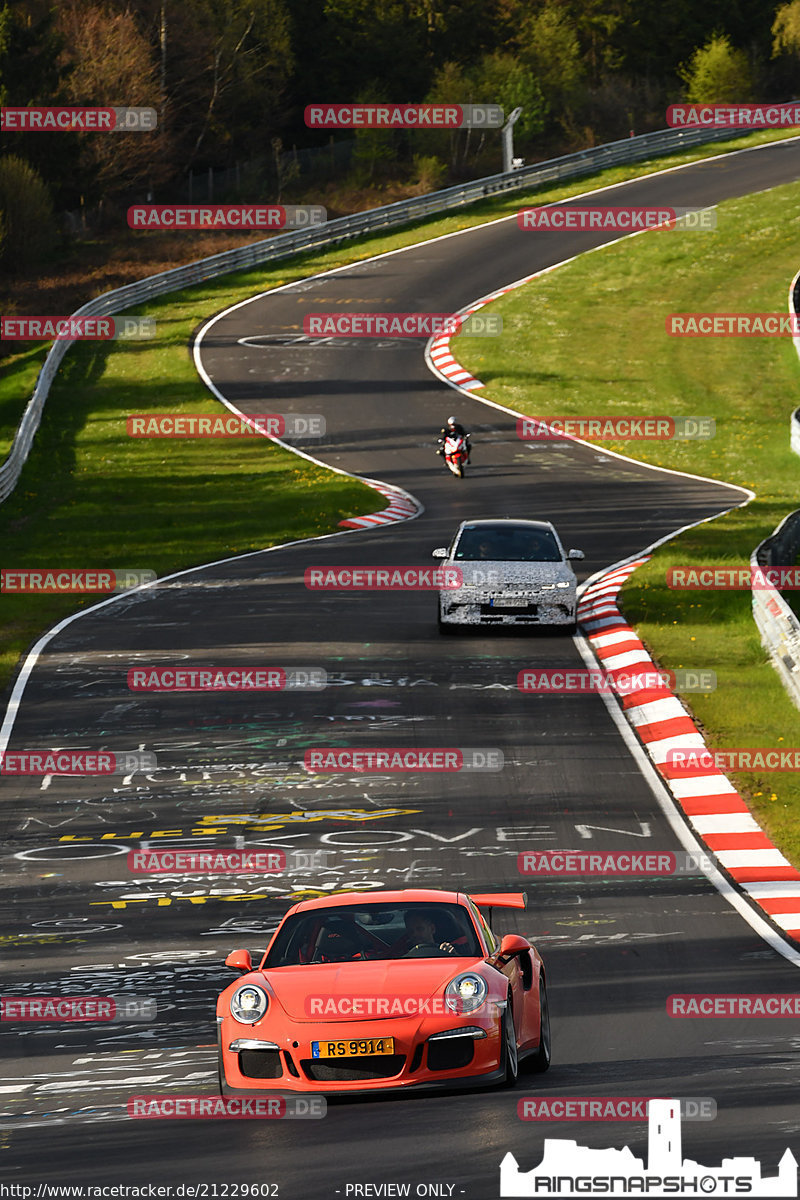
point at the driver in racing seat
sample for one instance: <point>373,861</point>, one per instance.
<point>452,428</point>
<point>420,930</point>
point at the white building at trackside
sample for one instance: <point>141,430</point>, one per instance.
<point>568,1169</point>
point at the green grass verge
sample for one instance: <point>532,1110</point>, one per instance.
<point>589,339</point>
<point>91,497</point>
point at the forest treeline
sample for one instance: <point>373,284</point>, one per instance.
<point>230,79</point>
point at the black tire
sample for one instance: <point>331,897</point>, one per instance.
<point>510,1052</point>
<point>540,1061</point>
<point>444,627</point>
<point>223,1091</point>
<point>460,470</point>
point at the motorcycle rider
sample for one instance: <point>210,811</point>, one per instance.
<point>453,429</point>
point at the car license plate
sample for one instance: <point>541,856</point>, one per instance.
<point>509,602</point>
<point>353,1048</point>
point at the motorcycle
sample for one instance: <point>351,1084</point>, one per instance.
<point>456,453</point>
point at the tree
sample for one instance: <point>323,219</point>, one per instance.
<point>717,73</point>
<point>548,45</point>
<point>234,78</point>
<point>498,78</point>
<point>107,61</point>
<point>786,29</point>
<point>27,226</point>
<point>502,79</point>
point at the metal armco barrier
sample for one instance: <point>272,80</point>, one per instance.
<point>777,623</point>
<point>570,166</point>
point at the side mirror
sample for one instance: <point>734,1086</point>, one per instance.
<point>576,554</point>
<point>441,552</point>
<point>240,960</point>
<point>512,945</point>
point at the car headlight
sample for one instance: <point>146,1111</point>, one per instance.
<point>466,992</point>
<point>563,585</point>
<point>249,1003</point>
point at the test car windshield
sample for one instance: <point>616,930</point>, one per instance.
<point>380,931</point>
<point>504,543</point>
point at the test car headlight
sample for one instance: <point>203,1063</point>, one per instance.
<point>563,585</point>
<point>249,1003</point>
<point>465,993</point>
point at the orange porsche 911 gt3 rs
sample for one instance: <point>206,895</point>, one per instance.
<point>384,991</point>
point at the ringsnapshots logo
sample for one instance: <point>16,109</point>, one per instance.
<point>405,325</point>
<point>579,680</point>
<point>78,1008</point>
<point>69,580</point>
<point>569,1169</point>
<point>383,579</point>
<point>616,429</point>
<point>229,679</point>
<point>718,324</point>
<point>226,861</point>
<point>404,116</point>
<point>272,1107</point>
<point>76,329</point>
<point>226,216</point>
<point>572,863</point>
<point>608,1108</point>
<point>76,762</point>
<point>234,425</point>
<point>78,120</point>
<point>732,116</point>
<point>617,218</point>
<point>339,759</point>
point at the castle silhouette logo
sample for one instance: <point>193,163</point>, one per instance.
<point>568,1169</point>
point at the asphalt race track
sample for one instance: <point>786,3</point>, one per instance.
<point>74,920</point>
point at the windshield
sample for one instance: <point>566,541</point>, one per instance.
<point>507,543</point>
<point>380,931</point>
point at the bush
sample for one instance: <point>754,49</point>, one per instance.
<point>430,172</point>
<point>26,215</point>
<point>717,74</point>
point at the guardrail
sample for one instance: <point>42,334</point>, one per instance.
<point>776,621</point>
<point>794,308</point>
<point>569,166</point>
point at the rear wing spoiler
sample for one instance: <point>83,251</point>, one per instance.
<point>499,899</point>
